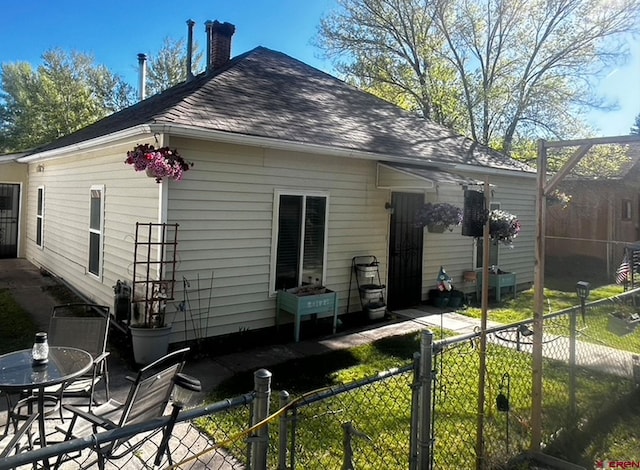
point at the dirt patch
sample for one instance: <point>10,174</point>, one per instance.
<point>63,294</point>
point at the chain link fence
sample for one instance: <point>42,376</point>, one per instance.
<point>589,356</point>
<point>429,414</point>
<point>204,437</point>
<point>364,425</point>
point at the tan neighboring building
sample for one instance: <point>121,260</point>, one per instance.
<point>13,188</point>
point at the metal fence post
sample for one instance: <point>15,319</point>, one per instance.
<point>424,432</point>
<point>415,414</point>
<point>283,435</point>
<point>572,364</point>
<point>259,442</point>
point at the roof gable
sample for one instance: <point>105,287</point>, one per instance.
<point>268,94</point>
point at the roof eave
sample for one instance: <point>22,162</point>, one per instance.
<point>86,144</point>
<point>278,144</point>
<point>254,141</point>
<point>304,147</point>
<point>486,170</point>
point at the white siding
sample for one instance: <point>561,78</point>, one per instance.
<point>224,207</point>
<point>129,197</point>
<point>225,211</point>
<point>455,252</point>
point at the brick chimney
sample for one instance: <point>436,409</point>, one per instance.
<point>218,43</point>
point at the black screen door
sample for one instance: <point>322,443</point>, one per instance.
<point>9,197</point>
<point>404,287</point>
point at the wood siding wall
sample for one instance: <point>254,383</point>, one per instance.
<point>592,226</point>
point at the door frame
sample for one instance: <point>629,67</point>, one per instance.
<point>15,190</point>
<point>411,258</point>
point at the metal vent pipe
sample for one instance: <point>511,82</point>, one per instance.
<point>142,74</point>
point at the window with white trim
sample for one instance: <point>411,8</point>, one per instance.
<point>40,218</point>
<point>300,248</point>
<point>478,245</point>
<point>96,229</point>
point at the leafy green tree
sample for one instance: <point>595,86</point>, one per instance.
<point>168,66</point>
<point>392,49</point>
<point>499,71</point>
<point>601,161</point>
<point>65,93</point>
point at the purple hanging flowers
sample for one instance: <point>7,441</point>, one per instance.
<point>158,163</point>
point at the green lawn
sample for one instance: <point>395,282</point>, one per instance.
<point>511,311</point>
<point>611,432</point>
<point>17,330</point>
<point>382,410</point>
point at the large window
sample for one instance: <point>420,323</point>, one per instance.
<point>96,217</point>
<point>40,218</point>
<point>493,249</point>
<point>300,248</point>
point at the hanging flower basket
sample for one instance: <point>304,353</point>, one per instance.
<point>438,217</point>
<point>503,227</point>
<point>158,163</point>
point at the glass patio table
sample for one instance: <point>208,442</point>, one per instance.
<point>18,373</point>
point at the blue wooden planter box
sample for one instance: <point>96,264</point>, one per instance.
<point>318,305</point>
<point>497,281</point>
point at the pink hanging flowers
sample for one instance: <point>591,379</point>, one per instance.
<point>158,163</point>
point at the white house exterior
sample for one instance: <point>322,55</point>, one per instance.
<point>265,133</point>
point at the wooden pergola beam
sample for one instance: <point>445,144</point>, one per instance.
<point>555,180</point>
<point>544,187</point>
<point>621,139</point>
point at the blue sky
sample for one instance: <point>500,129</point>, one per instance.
<point>114,32</point>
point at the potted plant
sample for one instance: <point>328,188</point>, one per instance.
<point>503,226</point>
<point>623,321</point>
<point>438,217</point>
<point>158,163</point>
<point>150,334</point>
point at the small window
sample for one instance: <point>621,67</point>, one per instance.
<point>96,219</point>
<point>478,245</point>
<point>626,209</point>
<point>300,240</point>
<point>40,218</point>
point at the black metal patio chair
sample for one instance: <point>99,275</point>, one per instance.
<point>83,326</point>
<point>147,399</point>
<point>76,325</point>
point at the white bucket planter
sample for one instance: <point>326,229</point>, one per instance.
<point>376,311</point>
<point>371,292</point>
<point>149,344</point>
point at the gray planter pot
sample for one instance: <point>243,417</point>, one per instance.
<point>149,344</point>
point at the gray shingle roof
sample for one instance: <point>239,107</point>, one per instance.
<point>269,94</point>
